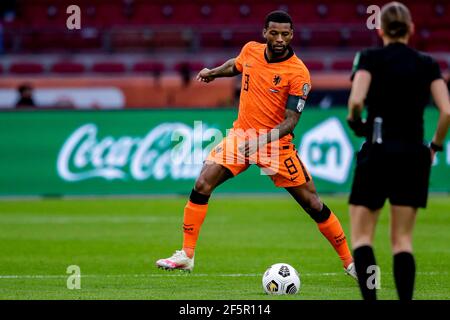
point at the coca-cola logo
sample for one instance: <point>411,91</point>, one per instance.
<point>169,150</point>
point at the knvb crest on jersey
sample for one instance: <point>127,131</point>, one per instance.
<point>276,80</point>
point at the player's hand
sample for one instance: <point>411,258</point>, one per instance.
<point>247,148</point>
<point>205,75</point>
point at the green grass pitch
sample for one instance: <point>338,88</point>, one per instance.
<point>116,242</point>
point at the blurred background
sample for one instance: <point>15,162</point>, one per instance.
<point>143,55</point>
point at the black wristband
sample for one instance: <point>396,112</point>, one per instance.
<point>435,147</point>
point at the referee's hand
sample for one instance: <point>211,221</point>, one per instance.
<point>358,126</point>
<point>433,154</point>
<point>434,148</point>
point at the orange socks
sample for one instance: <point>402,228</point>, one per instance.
<point>332,230</point>
<point>194,214</point>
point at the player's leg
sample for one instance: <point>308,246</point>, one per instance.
<point>221,164</point>
<point>402,224</point>
<point>290,173</point>
<point>327,222</point>
<point>363,222</point>
<point>211,176</point>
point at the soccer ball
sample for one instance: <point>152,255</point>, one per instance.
<point>281,278</point>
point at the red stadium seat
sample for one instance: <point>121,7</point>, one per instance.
<point>303,12</point>
<point>215,39</point>
<point>26,68</point>
<point>240,38</point>
<point>172,39</point>
<point>148,67</point>
<point>438,41</point>
<point>131,39</point>
<point>443,65</point>
<point>430,14</point>
<point>68,67</point>
<point>342,65</point>
<point>325,39</point>
<point>112,14</point>
<point>363,38</point>
<point>191,65</point>
<point>148,14</point>
<point>39,26</point>
<point>89,39</point>
<point>108,67</point>
<point>314,65</point>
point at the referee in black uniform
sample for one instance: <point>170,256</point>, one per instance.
<point>394,82</point>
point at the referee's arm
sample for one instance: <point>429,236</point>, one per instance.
<point>442,100</point>
<point>360,87</point>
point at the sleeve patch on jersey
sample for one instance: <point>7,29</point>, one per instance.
<point>300,105</point>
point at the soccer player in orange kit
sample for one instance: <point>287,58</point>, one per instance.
<point>275,86</point>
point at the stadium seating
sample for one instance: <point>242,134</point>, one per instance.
<point>156,68</point>
<point>65,67</point>
<point>39,25</point>
<point>26,68</point>
<point>190,66</point>
<point>109,67</point>
<point>444,65</point>
<point>149,67</point>
<point>157,26</point>
<point>342,65</point>
<point>315,65</point>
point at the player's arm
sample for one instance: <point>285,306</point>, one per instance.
<point>286,127</point>
<point>360,87</point>
<point>228,69</point>
<point>293,112</point>
<point>442,100</point>
<point>294,108</point>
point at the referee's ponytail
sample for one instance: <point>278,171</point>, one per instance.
<point>396,20</point>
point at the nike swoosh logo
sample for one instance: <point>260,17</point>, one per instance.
<point>292,179</point>
<point>274,91</point>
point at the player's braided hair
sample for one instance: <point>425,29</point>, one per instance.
<point>278,16</point>
<point>395,20</point>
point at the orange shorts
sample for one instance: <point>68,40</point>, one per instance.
<point>279,161</point>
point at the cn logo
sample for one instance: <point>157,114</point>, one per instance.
<point>327,151</point>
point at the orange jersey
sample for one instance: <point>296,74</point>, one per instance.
<point>266,87</point>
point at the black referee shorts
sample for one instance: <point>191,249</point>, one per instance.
<point>396,172</point>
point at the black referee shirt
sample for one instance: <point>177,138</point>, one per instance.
<point>399,90</point>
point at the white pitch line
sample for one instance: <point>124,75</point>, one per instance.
<point>168,274</point>
<point>83,219</point>
<point>62,219</point>
<point>143,275</point>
